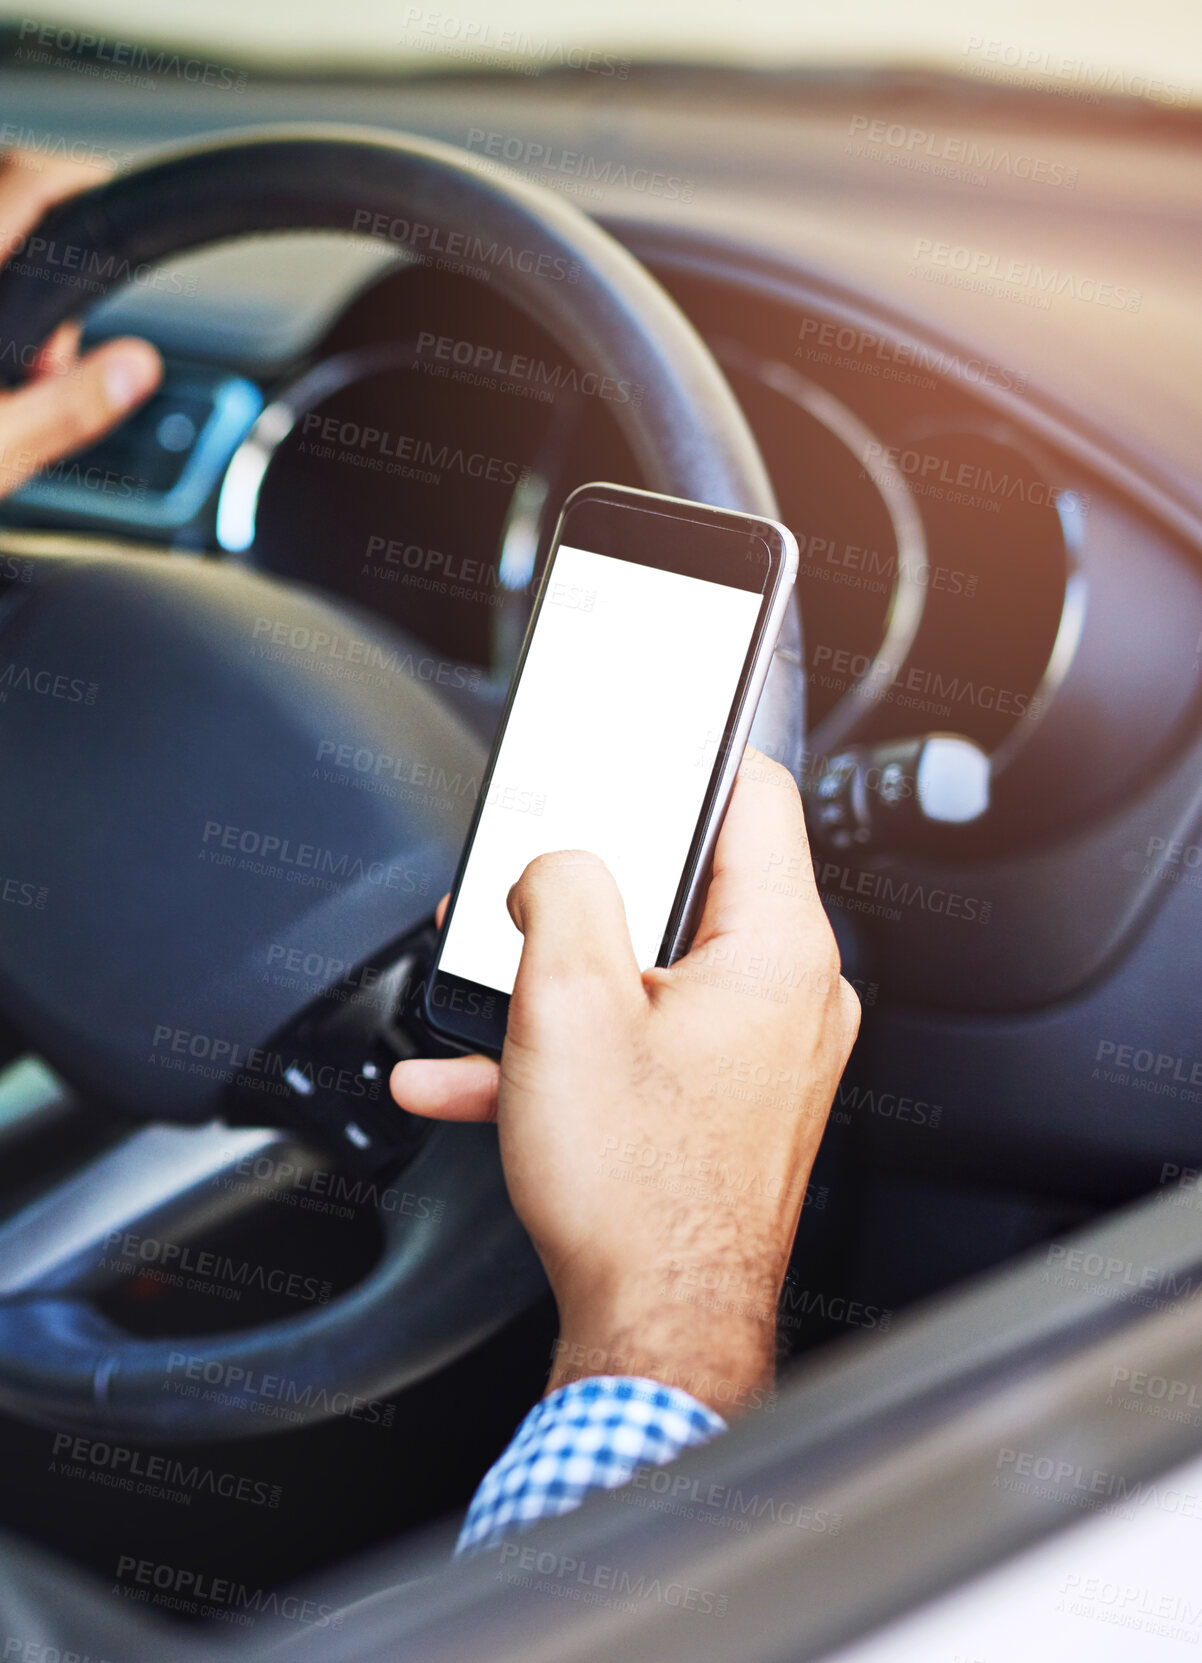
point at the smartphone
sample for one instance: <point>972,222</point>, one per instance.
<point>647,650</point>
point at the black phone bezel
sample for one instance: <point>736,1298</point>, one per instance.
<point>482,1013</point>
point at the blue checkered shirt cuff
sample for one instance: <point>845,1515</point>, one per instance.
<point>589,1435</point>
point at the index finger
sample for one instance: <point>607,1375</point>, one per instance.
<point>30,183</point>
<point>762,887</point>
<point>51,417</point>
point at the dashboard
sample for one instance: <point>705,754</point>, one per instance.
<point>988,465</point>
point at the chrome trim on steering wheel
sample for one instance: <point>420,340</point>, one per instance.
<point>159,1173</point>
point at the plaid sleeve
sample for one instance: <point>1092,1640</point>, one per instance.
<point>588,1435</point>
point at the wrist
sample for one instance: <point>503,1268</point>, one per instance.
<point>678,1329</point>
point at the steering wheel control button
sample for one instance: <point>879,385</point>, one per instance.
<point>340,1051</point>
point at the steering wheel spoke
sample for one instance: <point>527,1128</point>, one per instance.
<point>22,552</point>
<point>161,1185</point>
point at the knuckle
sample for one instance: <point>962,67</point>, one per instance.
<point>75,415</point>
<point>558,860</point>
<point>564,868</point>
<point>75,424</point>
<point>850,1011</point>
<point>827,958</point>
<point>571,993</point>
<point>775,774</point>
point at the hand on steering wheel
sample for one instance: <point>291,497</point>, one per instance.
<point>71,400</point>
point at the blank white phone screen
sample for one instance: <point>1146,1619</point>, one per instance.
<point>610,744</point>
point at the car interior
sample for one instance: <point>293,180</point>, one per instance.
<point>259,1328</point>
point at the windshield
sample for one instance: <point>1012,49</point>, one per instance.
<point>1151,50</point>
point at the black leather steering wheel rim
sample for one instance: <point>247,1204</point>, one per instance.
<point>429,200</point>
<point>63,1363</point>
<point>59,1359</point>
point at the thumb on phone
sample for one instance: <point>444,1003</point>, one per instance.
<point>447,1088</point>
<point>569,910</point>
<point>576,947</point>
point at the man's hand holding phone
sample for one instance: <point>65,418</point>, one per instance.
<point>658,1128</point>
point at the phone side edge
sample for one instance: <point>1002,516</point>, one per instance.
<point>785,583</point>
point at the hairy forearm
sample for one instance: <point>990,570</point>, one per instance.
<point>711,1333</point>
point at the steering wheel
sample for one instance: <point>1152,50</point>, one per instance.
<point>168,827</point>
